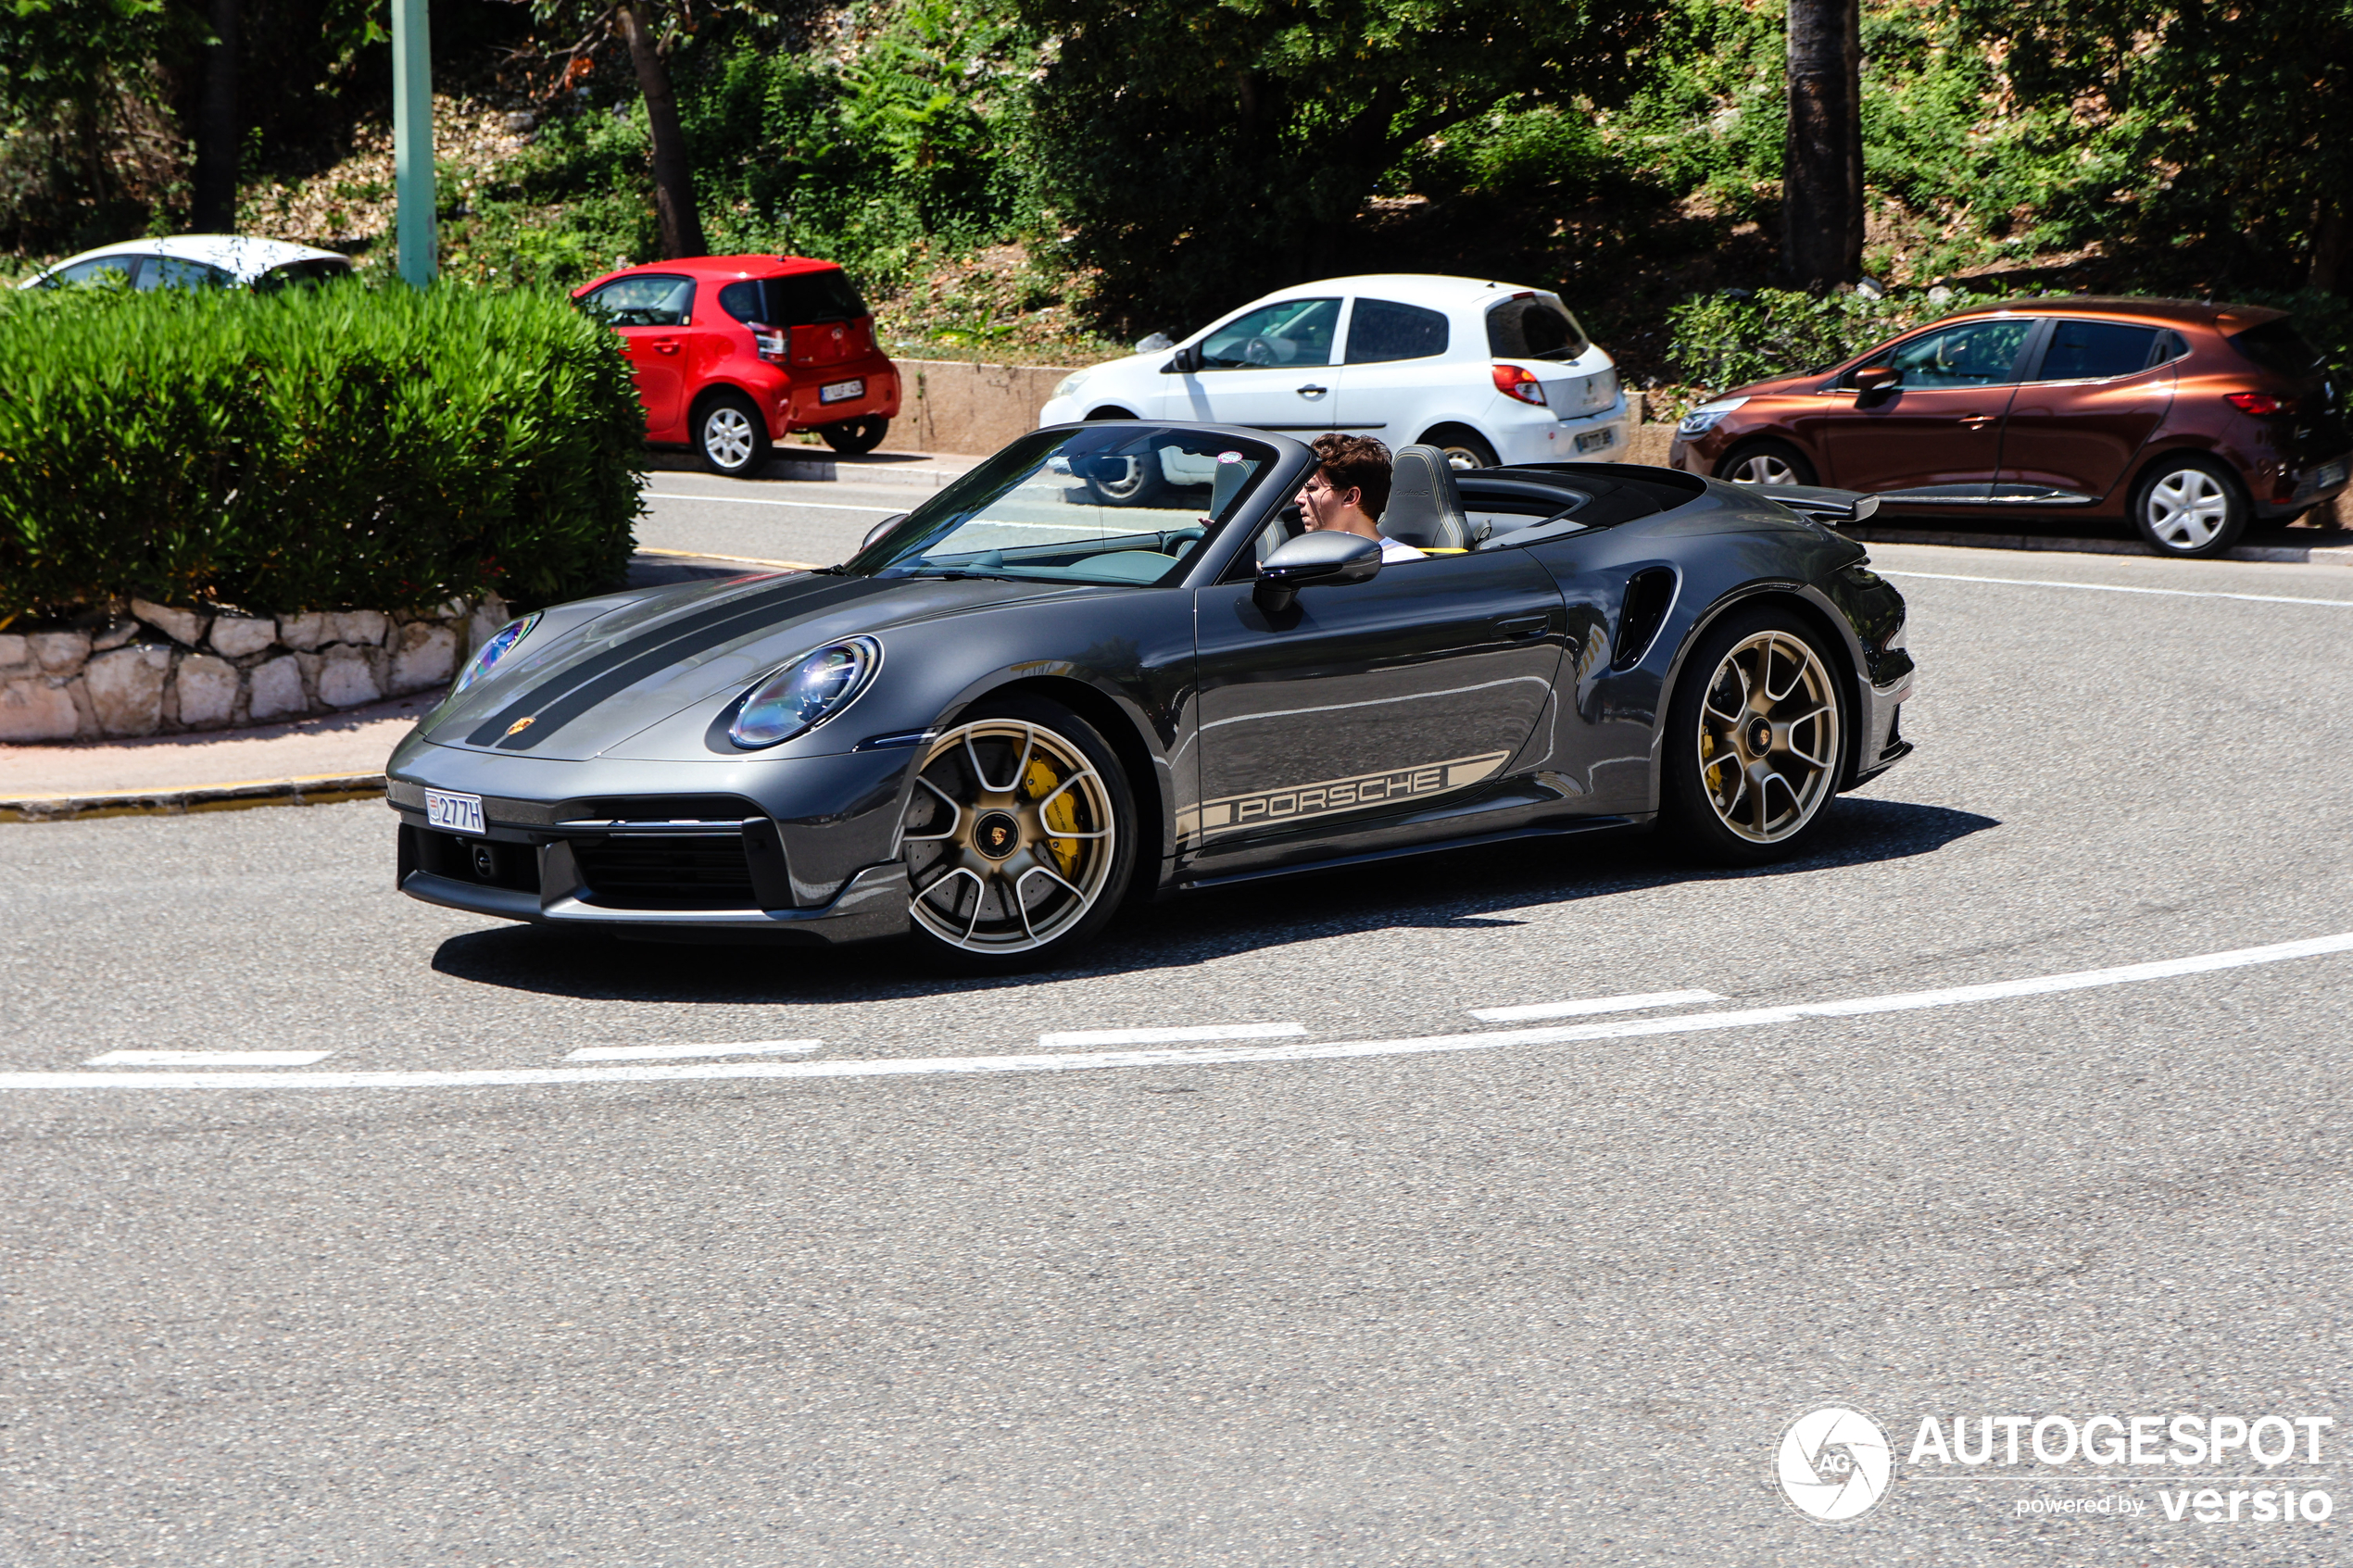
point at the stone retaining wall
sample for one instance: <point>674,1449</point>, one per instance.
<point>160,671</point>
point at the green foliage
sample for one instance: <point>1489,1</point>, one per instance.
<point>312,449</point>
<point>1726,340</point>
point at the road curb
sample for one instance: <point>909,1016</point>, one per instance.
<point>316,789</point>
<point>2313,555</point>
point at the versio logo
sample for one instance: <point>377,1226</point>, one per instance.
<point>1833,1463</point>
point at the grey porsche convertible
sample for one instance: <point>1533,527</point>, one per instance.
<point>1032,699</point>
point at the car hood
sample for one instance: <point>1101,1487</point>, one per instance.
<point>605,671</point>
<point>1795,380</point>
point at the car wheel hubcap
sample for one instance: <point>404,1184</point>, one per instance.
<point>1009,840</point>
<point>728,437</point>
<point>1764,468</point>
<point>1768,737</point>
<point>1127,486</point>
<point>2187,509</point>
<point>1461,459</point>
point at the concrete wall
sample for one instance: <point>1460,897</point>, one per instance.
<point>949,406</point>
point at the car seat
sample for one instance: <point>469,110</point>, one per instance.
<point>1425,510</point>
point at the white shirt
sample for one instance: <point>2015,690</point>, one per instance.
<point>1391,550</point>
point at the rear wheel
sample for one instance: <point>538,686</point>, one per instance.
<point>730,436</point>
<point>1465,447</point>
<point>855,436</point>
<point>1754,740</point>
<point>2189,506</point>
<point>1765,462</point>
<point>1020,838</point>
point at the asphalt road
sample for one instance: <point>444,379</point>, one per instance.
<point>1517,1301</point>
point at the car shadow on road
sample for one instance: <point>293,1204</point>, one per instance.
<point>1464,889</point>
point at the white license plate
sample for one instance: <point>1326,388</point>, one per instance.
<point>1594,440</point>
<point>459,813</point>
<point>2333,474</point>
<point>842,390</point>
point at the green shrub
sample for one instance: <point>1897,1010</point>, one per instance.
<point>310,450</point>
<point>1725,340</point>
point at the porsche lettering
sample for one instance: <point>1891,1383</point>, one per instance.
<point>1305,801</point>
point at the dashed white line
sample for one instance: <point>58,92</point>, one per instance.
<point>678,1053</point>
<point>764,501</point>
<point>1070,1037</point>
<point>902,1067</point>
<point>1593,1005</point>
<point>207,1059</point>
<point>2117,588</point>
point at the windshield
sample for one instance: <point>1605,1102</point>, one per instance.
<point>1109,504</point>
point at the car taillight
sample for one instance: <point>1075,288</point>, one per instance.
<point>2260,403</point>
<point>770,342</point>
<point>1518,381</point>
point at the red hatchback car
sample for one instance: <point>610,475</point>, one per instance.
<point>2186,420</point>
<point>732,352</point>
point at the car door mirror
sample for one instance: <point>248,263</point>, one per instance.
<point>1324,557</point>
<point>1873,383</point>
<point>1184,362</point>
<point>875,535</point>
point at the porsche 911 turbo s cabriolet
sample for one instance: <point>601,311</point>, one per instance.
<point>1017,707</point>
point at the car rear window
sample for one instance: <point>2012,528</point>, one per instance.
<point>2095,350</point>
<point>2277,346</point>
<point>1534,326</point>
<point>302,274</point>
<point>1382,330</point>
<point>797,300</point>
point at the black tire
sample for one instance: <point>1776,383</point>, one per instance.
<point>2189,508</point>
<point>730,435</point>
<point>855,438</point>
<point>987,877</point>
<point>1699,803</point>
<point>1464,447</point>
<point>1765,462</point>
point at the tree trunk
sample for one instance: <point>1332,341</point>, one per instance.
<point>213,203</point>
<point>674,177</point>
<point>1822,172</point>
<point>2331,241</point>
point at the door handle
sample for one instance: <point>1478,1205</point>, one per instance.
<point>1311,390</point>
<point>1978,422</point>
<point>667,345</point>
<point>1524,627</point>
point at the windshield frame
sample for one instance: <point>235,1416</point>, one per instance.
<point>947,508</point>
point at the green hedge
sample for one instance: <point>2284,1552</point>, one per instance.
<point>317,450</point>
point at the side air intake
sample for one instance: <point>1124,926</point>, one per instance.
<point>1649,594</point>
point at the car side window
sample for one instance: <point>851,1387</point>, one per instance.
<point>1292,332</point>
<point>1383,330</point>
<point>94,269</point>
<point>1973,354</point>
<point>178,272</point>
<point>2097,351</point>
<point>644,301</point>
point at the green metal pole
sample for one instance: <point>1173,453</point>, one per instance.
<point>412,140</point>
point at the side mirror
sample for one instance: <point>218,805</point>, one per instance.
<point>875,535</point>
<point>1184,362</point>
<point>1321,559</point>
<point>1873,383</point>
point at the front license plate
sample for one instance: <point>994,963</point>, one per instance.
<point>458,813</point>
<point>1594,440</point>
<point>842,390</point>
<point>2333,474</point>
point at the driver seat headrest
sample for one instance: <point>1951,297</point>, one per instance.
<point>1425,510</point>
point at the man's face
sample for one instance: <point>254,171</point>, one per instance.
<point>1320,505</point>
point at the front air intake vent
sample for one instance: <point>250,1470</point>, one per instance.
<point>1649,594</point>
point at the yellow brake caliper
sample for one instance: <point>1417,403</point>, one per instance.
<point>1037,782</point>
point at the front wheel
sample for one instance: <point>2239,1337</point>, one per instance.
<point>1766,462</point>
<point>855,438</point>
<point>2190,508</point>
<point>730,436</point>
<point>1754,740</point>
<point>1020,838</point>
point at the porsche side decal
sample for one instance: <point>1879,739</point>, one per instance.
<point>1302,802</point>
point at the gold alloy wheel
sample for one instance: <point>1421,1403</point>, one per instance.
<point>1009,840</point>
<point>1768,737</point>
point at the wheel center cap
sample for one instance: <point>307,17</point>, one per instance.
<point>1760,737</point>
<point>997,835</point>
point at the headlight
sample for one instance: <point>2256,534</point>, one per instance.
<point>805,694</point>
<point>502,643</point>
<point>1068,386</point>
<point>1703,419</point>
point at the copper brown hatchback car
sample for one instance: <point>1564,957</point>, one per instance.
<point>2184,420</point>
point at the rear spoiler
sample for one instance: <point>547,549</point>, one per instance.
<point>1828,507</point>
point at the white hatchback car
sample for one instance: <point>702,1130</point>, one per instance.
<point>1488,373</point>
<point>196,262</point>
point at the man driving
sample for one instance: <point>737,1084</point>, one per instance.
<point>1349,490</point>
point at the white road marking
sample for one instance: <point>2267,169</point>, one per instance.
<point>910,1067</point>
<point>674,1053</point>
<point>1168,1037</point>
<point>2114,588</point>
<point>207,1059</point>
<point>1591,1005</point>
<point>764,501</point>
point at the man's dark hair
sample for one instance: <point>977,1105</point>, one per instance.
<point>1356,462</point>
